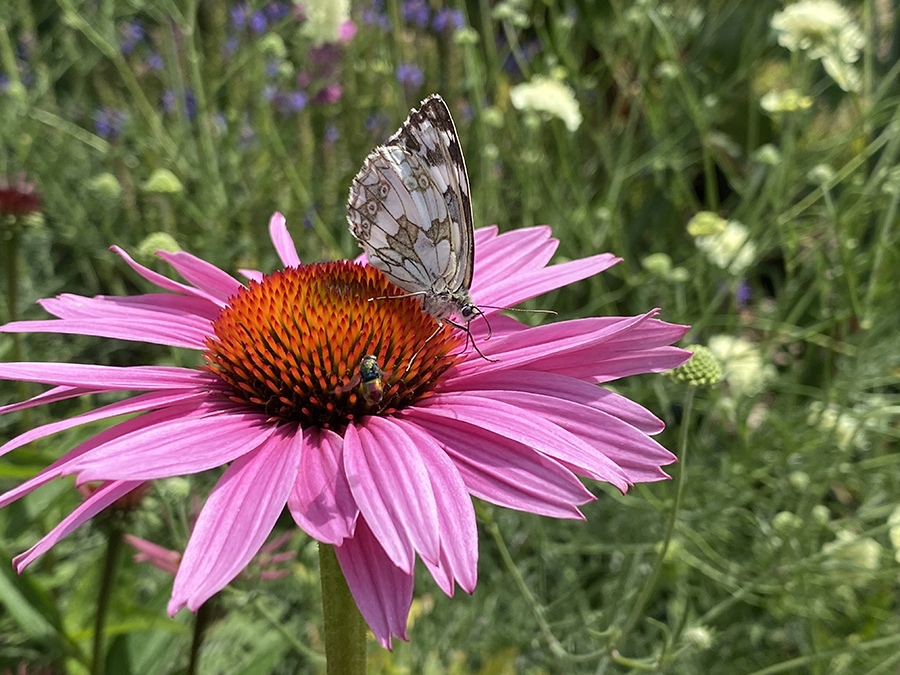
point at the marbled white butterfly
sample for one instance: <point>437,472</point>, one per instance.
<point>411,212</point>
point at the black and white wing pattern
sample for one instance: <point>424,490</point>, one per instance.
<point>411,212</point>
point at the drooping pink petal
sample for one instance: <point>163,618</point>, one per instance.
<point>456,515</point>
<point>321,501</point>
<point>203,275</point>
<point>107,378</point>
<point>637,455</point>
<point>129,406</point>
<point>510,290</point>
<point>60,466</point>
<point>503,471</point>
<point>90,507</point>
<point>165,282</point>
<point>201,438</point>
<point>69,306</point>
<point>236,519</point>
<point>383,592</point>
<point>390,483</point>
<point>50,396</point>
<point>281,239</point>
<point>563,388</point>
<point>533,430</point>
<point>160,557</point>
<point>161,331</point>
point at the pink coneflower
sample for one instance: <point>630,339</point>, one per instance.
<point>383,479</point>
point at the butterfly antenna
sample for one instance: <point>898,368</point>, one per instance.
<point>521,309</point>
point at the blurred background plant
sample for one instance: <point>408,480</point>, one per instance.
<point>740,155</point>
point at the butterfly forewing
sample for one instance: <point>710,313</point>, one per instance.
<point>411,212</point>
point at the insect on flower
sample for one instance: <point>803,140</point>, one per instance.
<point>370,375</point>
<point>411,212</point>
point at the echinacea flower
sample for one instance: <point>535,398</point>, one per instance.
<point>384,479</point>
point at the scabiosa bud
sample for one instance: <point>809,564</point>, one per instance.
<point>701,370</point>
<point>163,181</point>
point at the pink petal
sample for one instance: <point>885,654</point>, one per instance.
<point>516,253</point>
<point>562,387</point>
<point>512,289</point>
<point>390,483</point>
<point>383,592</point>
<point>236,519</point>
<point>503,471</point>
<point>252,275</point>
<point>282,241</point>
<point>657,360</point>
<point>167,331</point>
<point>69,306</point>
<point>157,556</point>
<point>205,276</point>
<point>196,441</point>
<point>531,430</point>
<point>107,378</point>
<point>637,455</point>
<point>165,282</point>
<point>90,507</point>
<point>58,468</point>
<point>321,502</point>
<point>484,234</point>
<point>50,396</point>
<point>129,406</point>
<point>456,516</point>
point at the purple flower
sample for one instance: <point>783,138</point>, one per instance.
<point>377,122</point>
<point>239,17</point>
<point>155,62</point>
<point>410,76</point>
<point>331,133</point>
<point>373,17</point>
<point>231,46</point>
<point>272,68</point>
<point>270,92</point>
<point>743,293</point>
<point>297,100</point>
<point>108,122</point>
<point>190,103</point>
<point>447,17</point>
<point>276,11</point>
<point>132,33</point>
<point>258,22</point>
<point>416,12</point>
<point>330,94</point>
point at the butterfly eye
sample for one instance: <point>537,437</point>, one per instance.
<point>468,312</point>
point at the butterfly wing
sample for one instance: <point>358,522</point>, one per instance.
<point>410,209</point>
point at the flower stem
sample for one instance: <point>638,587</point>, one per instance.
<point>113,546</point>
<point>201,623</point>
<point>638,608</point>
<point>345,629</point>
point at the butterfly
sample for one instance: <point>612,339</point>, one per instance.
<point>411,212</point>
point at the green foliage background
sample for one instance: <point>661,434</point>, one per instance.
<point>782,558</point>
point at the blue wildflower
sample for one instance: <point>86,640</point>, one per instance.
<point>155,62</point>
<point>276,11</point>
<point>410,76</point>
<point>447,17</point>
<point>297,100</point>
<point>258,22</point>
<point>108,122</point>
<point>132,33</point>
<point>239,16</point>
<point>331,133</point>
<point>416,12</point>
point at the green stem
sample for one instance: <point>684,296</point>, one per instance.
<point>12,304</point>
<point>201,622</point>
<point>113,546</point>
<point>638,608</point>
<point>345,629</point>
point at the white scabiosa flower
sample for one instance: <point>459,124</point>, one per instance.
<point>786,101</point>
<point>324,19</point>
<point>731,249</point>
<point>824,30</point>
<point>743,366</point>
<point>854,559</point>
<point>546,95</point>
